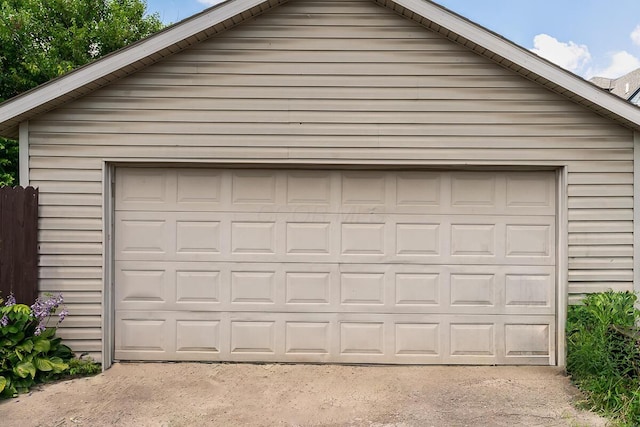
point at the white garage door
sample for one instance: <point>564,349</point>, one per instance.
<point>335,266</point>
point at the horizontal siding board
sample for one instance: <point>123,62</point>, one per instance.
<point>600,263</point>
<point>601,203</point>
<point>78,321</point>
<point>81,346</point>
<point>329,81</point>
<point>67,333</point>
<point>71,297</point>
<point>601,190</point>
<point>65,248</point>
<point>600,251</point>
<point>309,128</point>
<point>63,199</point>
<point>200,154</point>
<point>361,93</point>
<point>71,236</point>
<point>398,32</point>
<point>598,226</point>
<point>44,141</point>
<point>354,85</point>
<point>70,285</point>
<point>600,238</point>
<point>589,287</point>
<point>596,166</point>
<point>153,105</point>
<point>66,163</point>
<point>70,224</point>
<point>67,187</point>
<point>84,309</point>
<point>84,175</point>
<point>589,178</point>
<point>116,117</point>
<point>468,154</point>
<point>373,44</point>
<point>600,215</point>
<point>601,275</point>
<point>70,273</point>
<point>337,56</point>
<point>70,212</point>
<point>249,68</point>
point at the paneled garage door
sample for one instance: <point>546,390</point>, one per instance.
<point>335,266</point>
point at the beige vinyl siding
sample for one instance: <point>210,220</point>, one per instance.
<point>341,82</point>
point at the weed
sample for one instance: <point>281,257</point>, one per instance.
<point>83,367</point>
<point>602,359</point>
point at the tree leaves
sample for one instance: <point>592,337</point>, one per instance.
<point>42,40</point>
<point>8,162</point>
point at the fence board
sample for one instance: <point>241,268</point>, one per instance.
<point>19,243</point>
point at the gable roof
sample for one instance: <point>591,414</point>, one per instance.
<point>230,13</point>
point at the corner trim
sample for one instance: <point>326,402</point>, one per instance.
<point>636,212</point>
<point>23,159</point>
<point>562,275</point>
<point>108,313</point>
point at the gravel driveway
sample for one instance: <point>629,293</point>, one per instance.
<point>189,394</point>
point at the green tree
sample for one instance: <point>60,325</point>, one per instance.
<point>43,39</point>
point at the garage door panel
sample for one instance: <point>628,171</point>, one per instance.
<point>181,336</point>
<point>378,288</point>
<point>331,337</point>
<point>358,238</point>
<point>335,266</point>
<point>144,189</point>
<point>423,192</point>
<point>530,193</point>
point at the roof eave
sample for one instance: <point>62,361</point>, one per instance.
<point>128,60</point>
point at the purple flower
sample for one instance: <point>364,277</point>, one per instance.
<point>11,300</point>
<point>39,329</point>
<point>4,321</point>
<point>42,309</point>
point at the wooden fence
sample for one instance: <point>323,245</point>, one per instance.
<point>19,243</point>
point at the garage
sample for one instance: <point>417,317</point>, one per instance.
<point>351,266</point>
<point>352,181</point>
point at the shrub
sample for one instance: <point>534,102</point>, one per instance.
<point>603,357</point>
<point>29,351</point>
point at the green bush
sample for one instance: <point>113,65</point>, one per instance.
<point>603,356</point>
<point>30,353</point>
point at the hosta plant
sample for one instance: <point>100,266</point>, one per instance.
<point>29,350</point>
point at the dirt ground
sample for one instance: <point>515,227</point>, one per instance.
<point>189,394</point>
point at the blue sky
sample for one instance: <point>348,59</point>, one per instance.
<point>587,37</point>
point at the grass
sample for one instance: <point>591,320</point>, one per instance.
<point>603,355</point>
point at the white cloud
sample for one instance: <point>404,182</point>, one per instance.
<point>571,56</point>
<point>210,2</point>
<point>635,35</point>
<point>621,63</point>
